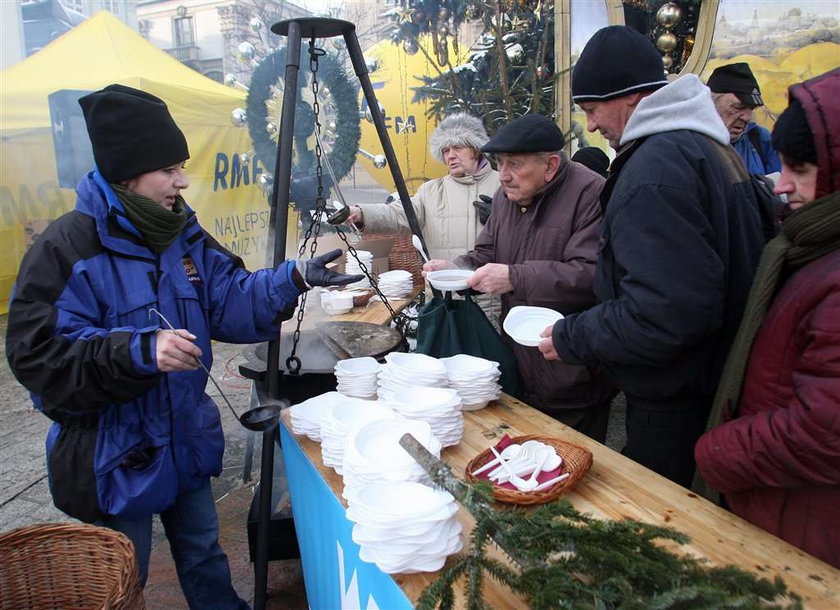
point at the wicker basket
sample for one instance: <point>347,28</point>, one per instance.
<point>576,461</point>
<point>68,565</point>
<point>403,255</point>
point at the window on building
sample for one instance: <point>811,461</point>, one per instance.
<point>184,32</point>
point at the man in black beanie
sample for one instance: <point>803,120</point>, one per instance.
<point>736,95</point>
<point>594,158</point>
<point>110,327</point>
<point>539,247</point>
<point>680,241</point>
<point>773,439</point>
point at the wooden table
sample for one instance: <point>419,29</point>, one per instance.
<point>375,312</point>
<point>618,488</point>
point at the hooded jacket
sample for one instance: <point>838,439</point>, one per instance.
<point>444,210</point>
<point>81,337</point>
<point>680,241</point>
<point>778,462</point>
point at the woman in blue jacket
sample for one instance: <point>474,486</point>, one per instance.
<point>134,433</point>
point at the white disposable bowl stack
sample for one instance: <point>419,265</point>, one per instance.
<point>306,416</point>
<point>373,453</point>
<point>475,379</point>
<point>396,284</point>
<point>404,527</point>
<point>352,267</point>
<point>357,377</point>
<point>340,420</point>
<point>439,407</point>
<point>402,371</point>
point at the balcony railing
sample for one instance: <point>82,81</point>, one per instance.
<point>188,53</point>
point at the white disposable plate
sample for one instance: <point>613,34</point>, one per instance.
<point>357,366</point>
<point>449,279</point>
<point>466,365</point>
<point>416,363</point>
<point>524,324</point>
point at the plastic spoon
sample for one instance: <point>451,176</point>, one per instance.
<point>550,482</point>
<point>415,240</point>
<point>508,453</point>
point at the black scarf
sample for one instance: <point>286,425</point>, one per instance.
<point>158,226</point>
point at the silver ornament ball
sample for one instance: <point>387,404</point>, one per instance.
<point>668,15</point>
<point>239,117</point>
<point>379,161</point>
<point>246,51</point>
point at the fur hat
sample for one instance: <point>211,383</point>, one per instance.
<point>457,130</point>
<point>131,132</point>
<point>527,134</point>
<point>594,158</point>
<point>616,61</point>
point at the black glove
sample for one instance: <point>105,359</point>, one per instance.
<point>482,207</point>
<point>315,273</point>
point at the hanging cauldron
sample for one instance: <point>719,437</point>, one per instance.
<point>319,349</point>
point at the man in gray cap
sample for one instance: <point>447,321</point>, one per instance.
<point>539,247</point>
<point>680,241</point>
<point>736,95</point>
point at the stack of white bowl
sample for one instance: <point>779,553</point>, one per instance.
<point>403,370</point>
<point>341,420</point>
<point>306,416</point>
<point>396,284</point>
<point>357,377</point>
<point>440,407</point>
<point>373,453</point>
<point>351,267</point>
<point>476,380</point>
<point>404,527</point>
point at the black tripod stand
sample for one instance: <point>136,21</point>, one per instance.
<point>295,30</point>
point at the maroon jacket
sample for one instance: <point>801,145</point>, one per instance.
<point>778,462</point>
<point>551,247</point>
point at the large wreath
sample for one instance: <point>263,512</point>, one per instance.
<point>337,99</point>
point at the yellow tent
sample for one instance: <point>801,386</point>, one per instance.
<point>35,173</point>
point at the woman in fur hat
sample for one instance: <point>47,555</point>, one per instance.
<point>450,210</point>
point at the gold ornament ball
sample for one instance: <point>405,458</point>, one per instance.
<point>667,42</point>
<point>443,15</point>
<point>410,46</point>
<point>443,30</point>
<point>668,15</point>
<point>667,61</point>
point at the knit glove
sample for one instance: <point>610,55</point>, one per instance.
<point>315,273</point>
<point>482,207</point>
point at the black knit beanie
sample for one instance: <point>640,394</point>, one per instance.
<point>792,135</point>
<point>594,158</point>
<point>616,61</point>
<point>131,132</point>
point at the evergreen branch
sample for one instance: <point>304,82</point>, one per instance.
<point>567,559</point>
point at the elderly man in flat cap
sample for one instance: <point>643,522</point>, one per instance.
<point>680,241</point>
<point>539,247</point>
<point>736,95</point>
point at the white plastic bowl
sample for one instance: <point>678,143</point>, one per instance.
<point>524,324</point>
<point>449,279</point>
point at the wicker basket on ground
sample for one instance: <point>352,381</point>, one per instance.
<point>68,565</point>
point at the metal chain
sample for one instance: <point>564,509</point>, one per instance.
<point>293,363</point>
<point>401,320</point>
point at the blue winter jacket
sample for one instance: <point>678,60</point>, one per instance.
<point>761,163</point>
<point>127,438</point>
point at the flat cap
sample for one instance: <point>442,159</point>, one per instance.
<point>739,80</point>
<point>527,134</point>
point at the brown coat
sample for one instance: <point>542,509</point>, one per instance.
<point>551,247</point>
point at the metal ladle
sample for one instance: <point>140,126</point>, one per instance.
<point>256,419</point>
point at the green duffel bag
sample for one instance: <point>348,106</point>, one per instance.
<point>446,327</point>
